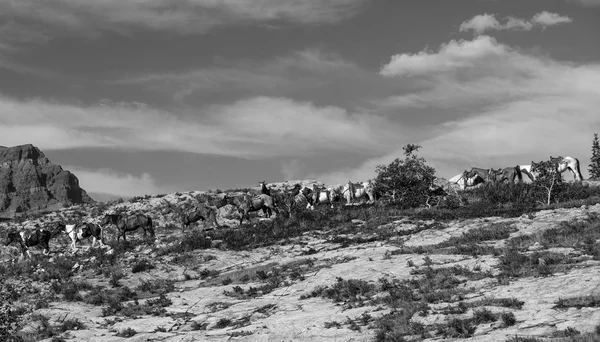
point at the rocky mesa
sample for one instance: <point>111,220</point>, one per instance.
<point>30,182</point>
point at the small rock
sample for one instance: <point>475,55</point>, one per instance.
<point>535,247</point>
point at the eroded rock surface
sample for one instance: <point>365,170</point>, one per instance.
<point>30,182</point>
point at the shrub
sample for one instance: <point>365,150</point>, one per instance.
<point>407,180</point>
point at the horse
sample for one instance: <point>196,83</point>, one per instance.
<point>132,223</point>
<point>203,212</point>
<point>266,191</point>
<point>463,182</point>
<point>246,204</point>
<point>318,195</point>
<point>336,191</point>
<point>526,170</point>
<point>78,232</point>
<point>485,174</point>
<point>568,163</point>
<point>352,191</point>
<point>508,173</point>
<point>39,237</point>
<point>292,193</point>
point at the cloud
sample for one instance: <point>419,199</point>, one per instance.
<point>548,19</point>
<point>109,182</point>
<point>487,22</point>
<point>451,56</point>
<point>300,69</point>
<point>184,16</point>
<point>251,128</point>
<point>516,107</point>
<point>586,3</point>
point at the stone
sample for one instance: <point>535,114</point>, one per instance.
<point>29,182</point>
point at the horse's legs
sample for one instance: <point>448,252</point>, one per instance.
<point>214,217</point>
<point>573,173</point>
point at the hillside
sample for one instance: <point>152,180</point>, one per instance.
<point>346,274</point>
<point>29,182</point>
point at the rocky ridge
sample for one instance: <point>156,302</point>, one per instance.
<point>30,182</point>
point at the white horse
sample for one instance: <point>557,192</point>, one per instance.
<point>526,169</point>
<point>569,163</point>
<point>319,195</point>
<point>564,164</point>
<point>360,191</point>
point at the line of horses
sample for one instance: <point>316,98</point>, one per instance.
<point>269,201</point>
<point>476,175</point>
<point>80,231</point>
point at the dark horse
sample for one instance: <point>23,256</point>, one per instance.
<point>245,204</point>
<point>508,173</point>
<point>39,237</point>
<point>266,191</point>
<point>128,224</point>
<point>203,212</point>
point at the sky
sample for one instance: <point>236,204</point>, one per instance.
<point>154,96</point>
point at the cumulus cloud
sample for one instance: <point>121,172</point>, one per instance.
<point>488,22</point>
<point>548,19</point>
<point>111,183</point>
<point>451,56</point>
<point>185,16</point>
<point>517,108</point>
<point>249,128</point>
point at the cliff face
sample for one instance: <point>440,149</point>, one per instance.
<point>30,182</point>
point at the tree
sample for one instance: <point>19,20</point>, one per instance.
<point>548,179</point>
<point>594,167</point>
<point>406,180</point>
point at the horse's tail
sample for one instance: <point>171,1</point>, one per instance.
<point>150,225</point>
<point>101,233</point>
<point>578,170</point>
<point>531,177</point>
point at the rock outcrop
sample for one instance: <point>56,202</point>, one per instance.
<point>29,182</point>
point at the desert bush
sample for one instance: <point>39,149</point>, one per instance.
<point>158,286</point>
<point>141,266</point>
<point>351,290</point>
<point>405,180</point>
<point>508,319</point>
<point>71,324</point>
<point>127,333</point>
<point>10,321</point>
